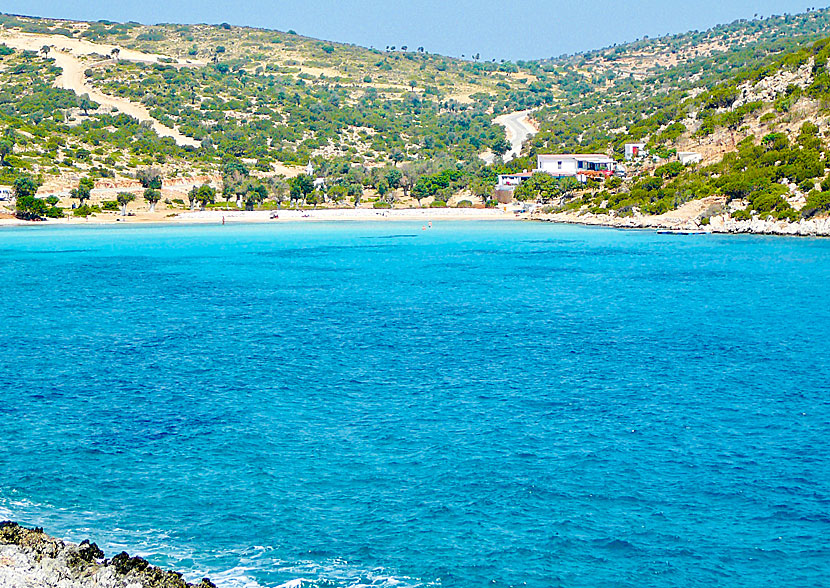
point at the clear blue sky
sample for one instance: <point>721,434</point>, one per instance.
<point>522,29</point>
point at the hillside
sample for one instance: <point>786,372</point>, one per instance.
<point>105,100</point>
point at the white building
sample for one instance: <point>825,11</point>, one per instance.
<point>689,157</point>
<point>635,151</point>
<point>576,165</point>
<point>5,193</point>
<point>512,180</point>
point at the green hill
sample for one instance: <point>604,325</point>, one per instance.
<point>254,101</point>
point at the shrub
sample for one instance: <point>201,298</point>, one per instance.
<point>464,204</point>
<point>381,204</point>
<point>613,183</point>
<point>85,210</point>
<point>438,204</point>
<point>109,205</point>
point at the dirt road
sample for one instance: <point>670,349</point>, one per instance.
<point>518,130</point>
<point>70,54</point>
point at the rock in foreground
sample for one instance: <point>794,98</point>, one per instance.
<point>29,558</point>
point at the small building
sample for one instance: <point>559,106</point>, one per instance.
<point>507,184</point>
<point>576,165</point>
<point>689,157</point>
<point>5,193</point>
<point>635,151</point>
<point>506,180</point>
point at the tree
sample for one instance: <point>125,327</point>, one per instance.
<point>30,208</point>
<point>192,197</point>
<point>382,188</point>
<point>205,195</point>
<point>83,191</point>
<point>255,193</point>
<point>25,186</point>
<point>393,177</point>
<point>85,103</point>
<point>397,157</point>
<point>544,187</point>
<point>301,186</point>
<point>355,191</point>
<point>115,53</point>
<point>152,196</point>
<point>279,188</point>
<point>124,198</point>
<point>45,50</point>
<point>6,148</point>
<point>338,193</point>
<point>234,173</point>
<point>500,147</point>
<point>149,177</point>
<point>26,205</point>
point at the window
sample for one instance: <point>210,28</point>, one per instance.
<point>559,164</point>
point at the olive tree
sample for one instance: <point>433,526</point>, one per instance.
<point>124,198</point>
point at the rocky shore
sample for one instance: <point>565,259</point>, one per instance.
<point>724,224</point>
<point>29,558</point>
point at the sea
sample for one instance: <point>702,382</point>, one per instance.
<point>472,404</point>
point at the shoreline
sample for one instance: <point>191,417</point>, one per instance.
<point>283,216</point>
<point>673,221</point>
<point>717,226</point>
<point>31,558</point>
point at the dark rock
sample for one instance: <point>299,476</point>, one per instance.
<point>124,564</point>
<point>89,552</point>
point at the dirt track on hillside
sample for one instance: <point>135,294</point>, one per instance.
<point>69,55</point>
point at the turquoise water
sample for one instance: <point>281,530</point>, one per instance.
<point>491,404</point>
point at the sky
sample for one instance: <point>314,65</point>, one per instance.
<point>495,29</point>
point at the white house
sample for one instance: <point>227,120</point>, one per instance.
<point>576,165</point>
<point>689,157</point>
<point>5,193</point>
<point>635,151</point>
<point>512,180</point>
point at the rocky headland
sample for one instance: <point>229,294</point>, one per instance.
<point>695,216</point>
<point>29,558</point>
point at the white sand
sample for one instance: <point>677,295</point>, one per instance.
<point>424,215</point>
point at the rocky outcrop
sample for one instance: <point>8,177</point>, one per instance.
<point>814,227</point>
<point>769,88</point>
<point>29,558</point>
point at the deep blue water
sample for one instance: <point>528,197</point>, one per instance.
<point>491,404</point>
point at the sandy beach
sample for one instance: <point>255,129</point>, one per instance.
<point>425,215</point>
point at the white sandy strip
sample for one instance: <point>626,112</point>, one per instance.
<point>355,214</point>
<point>65,51</point>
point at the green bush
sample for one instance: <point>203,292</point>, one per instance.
<point>109,205</point>
<point>438,204</point>
<point>381,204</point>
<point>86,210</point>
<point>464,204</point>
